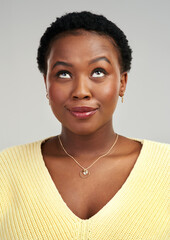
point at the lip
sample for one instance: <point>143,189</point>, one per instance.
<point>83,112</point>
<point>82,109</point>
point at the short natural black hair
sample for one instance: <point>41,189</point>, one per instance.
<point>89,22</point>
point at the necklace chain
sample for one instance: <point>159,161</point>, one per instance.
<point>85,171</point>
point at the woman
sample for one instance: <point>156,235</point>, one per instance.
<point>89,182</point>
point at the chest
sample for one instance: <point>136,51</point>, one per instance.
<point>86,197</point>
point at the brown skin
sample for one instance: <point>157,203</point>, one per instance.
<point>86,139</point>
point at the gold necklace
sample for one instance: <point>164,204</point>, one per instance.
<point>85,172</point>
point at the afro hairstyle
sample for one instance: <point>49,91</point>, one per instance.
<point>88,21</point>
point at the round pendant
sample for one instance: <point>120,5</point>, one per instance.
<point>84,173</point>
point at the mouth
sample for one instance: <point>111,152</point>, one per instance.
<point>83,112</point>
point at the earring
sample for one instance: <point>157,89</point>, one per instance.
<point>48,98</point>
<point>122,99</point>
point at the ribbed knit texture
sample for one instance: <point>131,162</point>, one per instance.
<point>31,207</point>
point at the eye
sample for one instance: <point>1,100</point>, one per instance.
<point>64,74</point>
<point>98,73</point>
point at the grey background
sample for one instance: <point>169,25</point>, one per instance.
<point>25,115</point>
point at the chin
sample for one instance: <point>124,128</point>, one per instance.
<point>83,130</point>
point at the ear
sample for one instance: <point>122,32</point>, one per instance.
<point>45,81</point>
<point>123,83</point>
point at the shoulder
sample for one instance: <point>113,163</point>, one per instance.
<point>17,168</point>
<point>162,150</point>
<point>18,153</point>
<point>146,146</point>
<point>17,163</point>
<point>155,156</point>
<point>153,146</point>
<point>153,153</point>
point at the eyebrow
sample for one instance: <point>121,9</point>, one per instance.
<point>62,63</point>
<point>100,59</point>
<point>91,62</point>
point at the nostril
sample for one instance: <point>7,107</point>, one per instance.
<point>87,97</point>
<point>79,97</point>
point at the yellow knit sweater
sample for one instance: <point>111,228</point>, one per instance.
<point>31,207</point>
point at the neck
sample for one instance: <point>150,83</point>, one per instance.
<point>93,144</point>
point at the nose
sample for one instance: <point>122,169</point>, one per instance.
<point>81,89</point>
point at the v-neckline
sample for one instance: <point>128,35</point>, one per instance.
<point>68,211</point>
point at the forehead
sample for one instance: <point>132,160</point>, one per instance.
<point>84,43</point>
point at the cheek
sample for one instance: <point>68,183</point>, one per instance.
<point>57,94</point>
<point>109,93</point>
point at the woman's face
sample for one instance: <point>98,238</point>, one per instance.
<point>83,81</point>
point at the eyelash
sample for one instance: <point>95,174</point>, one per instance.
<point>63,71</point>
<point>95,70</point>
<point>99,70</point>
